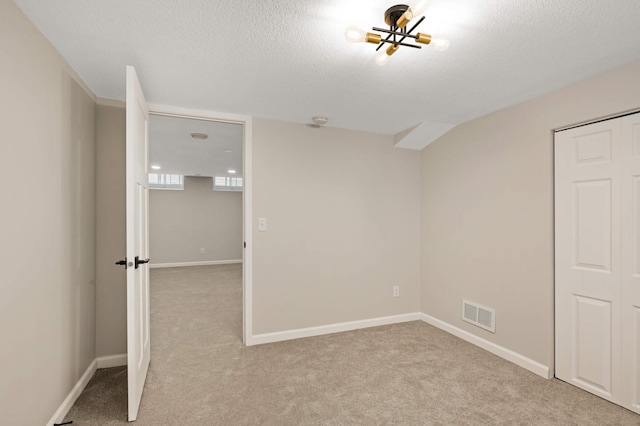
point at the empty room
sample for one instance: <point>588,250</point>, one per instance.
<point>372,213</point>
<point>195,227</point>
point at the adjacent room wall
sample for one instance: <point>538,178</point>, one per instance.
<point>47,224</point>
<point>183,222</point>
<point>343,216</point>
<point>487,211</point>
<point>343,210</point>
<point>111,279</point>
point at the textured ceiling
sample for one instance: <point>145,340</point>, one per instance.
<point>289,60</point>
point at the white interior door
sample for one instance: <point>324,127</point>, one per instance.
<point>630,126</point>
<point>597,227</point>
<point>587,200</point>
<point>138,339</point>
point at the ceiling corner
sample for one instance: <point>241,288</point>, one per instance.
<point>421,135</point>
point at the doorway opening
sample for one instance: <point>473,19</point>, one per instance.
<point>199,216</point>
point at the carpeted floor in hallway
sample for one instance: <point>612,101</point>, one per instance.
<point>403,374</point>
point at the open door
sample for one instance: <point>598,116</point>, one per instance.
<point>138,339</point>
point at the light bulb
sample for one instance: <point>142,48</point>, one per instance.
<point>354,34</point>
<point>382,58</point>
<point>418,8</point>
<point>440,44</point>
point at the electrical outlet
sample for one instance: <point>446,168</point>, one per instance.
<point>396,291</point>
<point>202,250</point>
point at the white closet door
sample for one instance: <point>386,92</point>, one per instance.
<point>630,126</point>
<point>588,258</point>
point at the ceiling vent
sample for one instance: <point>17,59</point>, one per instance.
<point>318,121</point>
<point>479,315</point>
<point>199,136</point>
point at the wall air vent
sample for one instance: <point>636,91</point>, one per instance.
<point>479,315</point>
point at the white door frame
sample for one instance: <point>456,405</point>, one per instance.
<point>247,200</point>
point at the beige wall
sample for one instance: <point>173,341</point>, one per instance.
<point>47,225</point>
<point>111,280</point>
<point>344,216</point>
<point>183,222</point>
<point>487,212</point>
<point>343,212</point>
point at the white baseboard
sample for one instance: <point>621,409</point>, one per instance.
<point>258,339</point>
<point>100,362</point>
<point>508,354</point>
<point>111,361</point>
<point>73,395</point>
<point>203,263</point>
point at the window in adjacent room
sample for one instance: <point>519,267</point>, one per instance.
<point>166,181</point>
<point>226,183</point>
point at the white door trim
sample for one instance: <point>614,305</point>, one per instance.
<point>597,120</point>
<point>247,199</point>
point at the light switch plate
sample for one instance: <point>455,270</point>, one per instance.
<point>262,224</point>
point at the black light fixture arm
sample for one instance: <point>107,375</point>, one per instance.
<point>382,42</point>
<point>393,32</point>
<point>398,43</point>
<point>416,24</point>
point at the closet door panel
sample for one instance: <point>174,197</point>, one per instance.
<point>588,258</point>
<point>630,277</point>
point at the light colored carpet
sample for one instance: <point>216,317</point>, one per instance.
<point>404,374</point>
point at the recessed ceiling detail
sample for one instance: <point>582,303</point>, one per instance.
<point>397,17</point>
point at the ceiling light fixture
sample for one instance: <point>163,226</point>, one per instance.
<point>231,171</point>
<point>154,167</point>
<point>199,135</point>
<point>320,120</point>
<point>397,17</point>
